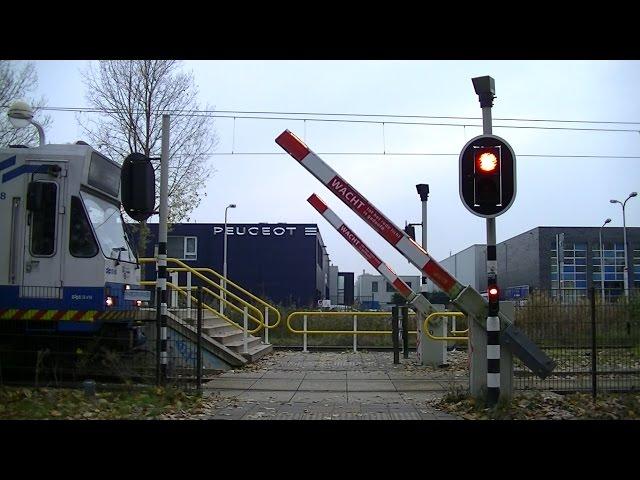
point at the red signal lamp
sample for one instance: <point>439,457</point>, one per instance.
<point>488,160</point>
<point>493,294</point>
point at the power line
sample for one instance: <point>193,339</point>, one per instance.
<point>325,114</point>
<point>247,115</point>
<point>409,154</point>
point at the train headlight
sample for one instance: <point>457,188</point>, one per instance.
<point>109,301</point>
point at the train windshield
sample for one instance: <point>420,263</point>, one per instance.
<point>108,225</point>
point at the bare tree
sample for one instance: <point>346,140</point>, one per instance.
<point>17,83</point>
<point>132,95</point>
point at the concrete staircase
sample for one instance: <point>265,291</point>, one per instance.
<point>220,337</point>
<point>232,337</point>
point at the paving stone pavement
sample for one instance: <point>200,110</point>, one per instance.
<point>332,386</point>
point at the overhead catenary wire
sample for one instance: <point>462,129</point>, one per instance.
<point>237,114</point>
<point>262,116</point>
<point>328,114</point>
<point>410,154</point>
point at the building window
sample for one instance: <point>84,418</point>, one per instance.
<point>374,286</point>
<point>390,288</point>
<point>636,269</point>
<point>408,284</point>
<point>182,248</point>
<point>612,259</point>
<point>573,280</point>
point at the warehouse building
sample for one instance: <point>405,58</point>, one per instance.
<point>529,261</point>
<point>375,293</point>
<point>285,263</point>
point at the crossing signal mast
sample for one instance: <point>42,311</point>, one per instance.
<point>488,189</point>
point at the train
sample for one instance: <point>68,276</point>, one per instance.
<point>68,266</point>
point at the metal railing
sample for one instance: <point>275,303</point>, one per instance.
<point>200,273</point>
<point>354,331</point>
<point>243,312</point>
<point>595,342</point>
<point>425,327</point>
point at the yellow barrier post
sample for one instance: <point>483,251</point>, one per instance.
<point>355,334</point>
<point>244,333</point>
<point>304,336</point>
<point>266,325</point>
<point>189,294</point>
<point>174,292</point>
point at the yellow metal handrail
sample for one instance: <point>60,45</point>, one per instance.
<point>425,325</point>
<point>455,332</point>
<point>218,314</point>
<point>251,295</point>
<point>196,271</point>
<point>230,294</point>
<point>345,314</point>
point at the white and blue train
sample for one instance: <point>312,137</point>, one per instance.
<point>67,263</point>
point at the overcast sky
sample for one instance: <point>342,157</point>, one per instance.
<point>551,191</point>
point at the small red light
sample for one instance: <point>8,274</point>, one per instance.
<point>493,291</point>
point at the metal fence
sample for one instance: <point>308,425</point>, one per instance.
<point>595,343</point>
<point>49,349</point>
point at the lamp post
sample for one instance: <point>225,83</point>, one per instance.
<point>602,259</point>
<point>423,191</point>
<point>224,257</point>
<point>624,232</point>
<point>20,115</point>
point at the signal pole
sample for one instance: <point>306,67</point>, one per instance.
<point>423,191</point>
<point>485,88</point>
<point>162,245</point>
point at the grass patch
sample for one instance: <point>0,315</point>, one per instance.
<point>545,406</point>
<point>18,403</point>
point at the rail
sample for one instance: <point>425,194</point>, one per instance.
<point>182,267</point>
<point>215,312</point>
<point>355,332</point>
<point>425,326</point>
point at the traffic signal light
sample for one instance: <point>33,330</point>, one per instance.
<point>488,189</point>
<point>138,193</point>
<point>487,176</point>
<point>493,295</point>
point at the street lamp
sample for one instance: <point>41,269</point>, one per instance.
<point>224,256</point>
<point>20,115</point>
<point>602,259</point>
<point>624,231</point>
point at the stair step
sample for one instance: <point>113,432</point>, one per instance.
<point>239,344</point>
<point>220,330</point>
<point>212,322</point>
<point>231,337</point>
<point>258,351</point>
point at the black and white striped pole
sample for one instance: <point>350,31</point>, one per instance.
<point>162,246</point>
<point>488,189</point>
<point>485,88</point>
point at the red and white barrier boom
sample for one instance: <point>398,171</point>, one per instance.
<point>418,301</point>
<point>467,299</point>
